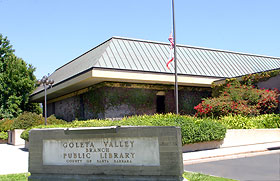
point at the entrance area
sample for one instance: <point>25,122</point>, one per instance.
<point>160,104</point>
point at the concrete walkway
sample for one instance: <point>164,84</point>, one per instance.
<point>13,159</point>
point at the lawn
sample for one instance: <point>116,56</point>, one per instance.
<point>14,177</point>
<point>191,176</point>
<point>188,175</point>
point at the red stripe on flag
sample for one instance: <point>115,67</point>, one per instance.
<point>169,62</point>
<point>170,38</point>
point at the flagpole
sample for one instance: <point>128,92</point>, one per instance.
<point>175,60</point>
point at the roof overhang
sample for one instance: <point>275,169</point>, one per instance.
<point>97,75</point>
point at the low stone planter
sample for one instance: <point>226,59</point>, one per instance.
<point>207,145</point>
<point>3,141</point>
<point>26,145</point>
<point>14,137</point>
<point>238,137</point>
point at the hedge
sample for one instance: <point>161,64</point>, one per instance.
<point>24,121</point>
<point>264,121</point>
<point>27,120</point>
<point>193,129</point>
<point>3,135</point>
<point>6,124</point>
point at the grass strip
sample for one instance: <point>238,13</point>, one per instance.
<point>191,176</point>
<point>15,177</point>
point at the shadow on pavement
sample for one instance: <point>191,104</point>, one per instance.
<point>24,149</point>
<point>274,148</point>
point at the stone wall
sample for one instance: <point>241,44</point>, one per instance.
<point>188,98</point>
<point>272,83</point>
<point>67,109</point>
<point>117,102</point>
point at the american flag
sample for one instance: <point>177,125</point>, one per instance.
<point>171,57</point>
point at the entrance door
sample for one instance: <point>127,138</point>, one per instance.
<point>161,104</point>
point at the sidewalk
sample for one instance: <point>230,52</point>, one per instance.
<point>14,159</point>
<point>230,153</point>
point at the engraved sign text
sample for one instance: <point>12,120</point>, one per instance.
<point>139,151</point>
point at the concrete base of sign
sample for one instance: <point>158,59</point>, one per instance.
<point>110,153</point>
<point>46,177</point>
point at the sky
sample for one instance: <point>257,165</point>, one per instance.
<point>50,33</point>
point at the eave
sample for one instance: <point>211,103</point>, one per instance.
<point>97,75</point>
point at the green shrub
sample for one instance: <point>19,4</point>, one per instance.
<point>193,129</point>
<point>270,120</point>
<point>238,122</point>
<point>92,123</point>
<point>3,135</point>
<point>27,120</point>
<point>207,130</point>
<point>53,120</point>
<point>25,134</point>
<point>245,122</point>
<point>6,124</point>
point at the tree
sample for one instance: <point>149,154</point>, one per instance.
<point>5,52</point>
<point>17,82</point>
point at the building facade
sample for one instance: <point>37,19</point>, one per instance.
<point>124,77</point>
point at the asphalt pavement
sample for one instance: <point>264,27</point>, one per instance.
<point>263,167</point>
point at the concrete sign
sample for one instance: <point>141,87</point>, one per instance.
<point>106,153</point>
<point>141,151</point>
